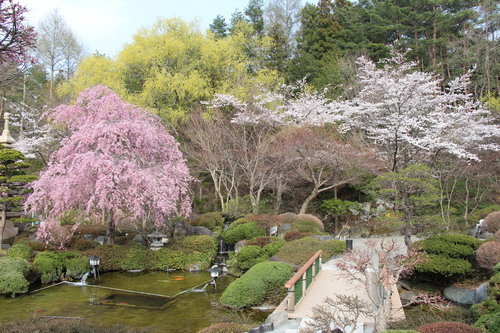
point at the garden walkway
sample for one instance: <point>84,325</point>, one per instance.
<point>330,282</point>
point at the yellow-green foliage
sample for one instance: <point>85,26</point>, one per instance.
<point>13,272</point>
<point>299,251</point>
<point>260,282</point>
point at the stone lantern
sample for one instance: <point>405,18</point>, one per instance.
<point>157,240</point>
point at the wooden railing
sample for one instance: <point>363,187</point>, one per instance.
<point>298,285</point>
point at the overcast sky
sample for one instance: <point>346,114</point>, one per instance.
<point>106,25</point>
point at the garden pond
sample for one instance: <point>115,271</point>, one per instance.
<point>111,302</point>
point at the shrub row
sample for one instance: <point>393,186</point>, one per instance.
<point>257,285</point>
<point>299,251</point>
<point>20,251</point>
<point>13,272</point>
<point>185,254</point>
<point>54,266</point>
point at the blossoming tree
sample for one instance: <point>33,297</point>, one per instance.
<point>118,162</point>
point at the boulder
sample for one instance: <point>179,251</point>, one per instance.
<point>199,231</point>
<point>180,229</point>
<point>139,239</point>
<point>323,237</point>
<point>238,246</point>
<point>88,237</point>
<point>464,296</point>
<point>100,239</point>
<point>284,228</point>
<point>277,318</point>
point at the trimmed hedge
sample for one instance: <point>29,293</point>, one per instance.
<point>20,251</point>
<point>173,259</point>
<point>273,248</point>
<point>238,232</point>
<point>76,267</point>
<point>256,284</point>
<point>444,266</point>
<point>12,275</point>
<point>137,257</point>
<point>299,251</point>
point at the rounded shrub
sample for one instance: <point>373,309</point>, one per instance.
<point>273,248</point>
<point>204,244</point>
<point>209,220</point>
<point>444,266</point>
<point>49,266</point>
<point>249,256</point>
<point>447,327</point>
<point>243,293</point>
<point>225,328</point>
<point>491,222</point>
<point>20,251</point>
<point>441,247</point>
<point>255,285</point>
<point>243,231</point>
<point>76,267</point>
<point>488,255</point>
<point>459,239</point>
<point>305,226</point>
<point>8,264</point>
<point>13,283</point>
<point>311,218</point>
<point>299,251</point>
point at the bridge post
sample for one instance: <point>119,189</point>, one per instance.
<point>291,299</point>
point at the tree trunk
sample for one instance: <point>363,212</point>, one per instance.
<point>305,204</point>
<point>3,215</point>
<point>110,233</point>
<point>407,236</point>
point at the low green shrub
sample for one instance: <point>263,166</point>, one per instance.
<point>489,322</point>
<point>448,249</point>
<point>20,251</point>
<point>263,240</point>
<point>81,244</point>
<point>273,248</point>
<point>306,226</point>
<point>253,287</point>
<point>399,331</point>
<point>13,282</point>
<point>174,259</point>
<point>249,256</point>
<point>209,220</point>
<point>137,257</point>
<point>299,251</point>
<point>225,328</point>
<point>239,232</point>
<point>49,266</point>
<point>459,239</point>
<point>76,267</point>
<point>35,245</point>
<point>9,264</point>
<point>203,244</point>
<point>443,266</point>
<point>13,272</point>
<point>112,256</point>
<point>447,327</point>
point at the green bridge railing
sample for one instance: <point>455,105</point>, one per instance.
<point>298,285</point>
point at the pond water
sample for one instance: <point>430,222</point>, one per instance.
<point>188,312</point>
